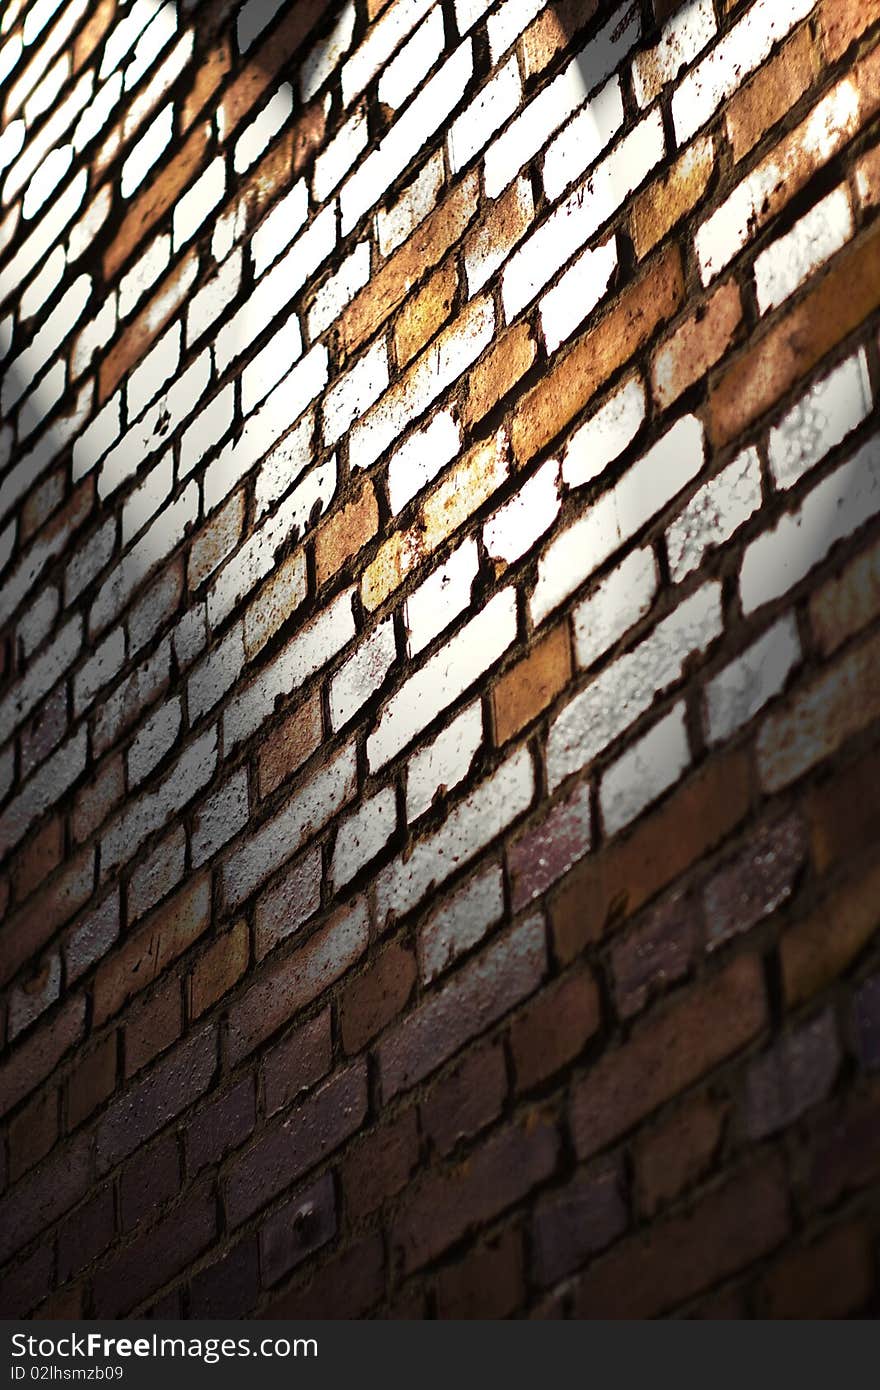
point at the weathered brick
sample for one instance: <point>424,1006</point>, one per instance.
<point>288,746</point>
<point>302,1226</point>
<point>166,1090</point>
<point>526,689</point>
<point>847,602</point>
<point>41,1052</point>
<point>137,1271</point>
<point>843,22</point>
<point>554,1030</point>
<point>224,1123</point>
<point>820,947</point>
<point>796,1073</point>
<point>221,966</point>
<point>292,1066</point>
<point>377,996</point>
<point>667,200</point>
<point>423,314</point>
<point>829,1278</point>
<point>506,362</point>
<point>380,1166</point>
<point>771,94</point>
<point>164,937</point>
<point>757,882</point>
<point>149,1179</point>
<point>659,950</point>
<point>487,1283</point>
<point>92,1080</point>
<point>230,1287</point>
<point>32,1133</point>
<point>457,1106</point>
<point>46,1193</point>
<point>577,1221</point>
<point>152,1026</point>
<point>694,347</point>
<point>678,1152</point>
<point>345,534</point>
<point>86,1234</point>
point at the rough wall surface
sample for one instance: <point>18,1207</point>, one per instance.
<point>441,669</point>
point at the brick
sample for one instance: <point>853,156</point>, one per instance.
<point>230,1287</point>
<point>609,887</point>
<point>426,312</point>
<point>96,800</point>
<point>380,1166</point>
<point>32,1134</point>
<point>164,1092</point>
<point>570,385</point>
<point>667,200</point>
<point>678,1153</point>
<point>347,1286</point>
<point>450,1203</point>
<point>830,1278</point>
<point>86,1234</point>
<point>841,24</point>
<point>866,1023</point>
<point>37,858</point>
<point>487,1283</point>
<point>463,1008</point>
<point>377,996</point>
<point>761,375</point>
<point>659,950</point>
<point>463,1102</point>
<point>290,1068</point>
<point>91,1081</point>
<point>843,812</point>
<point>490,242</point>
<point>345,534</point>
<point>28,1283</point>
<point>843,1153</point>
<point>577,1221</point>
<point>284,907</point>
<point>551,31</point>
<point>151,205</point>
<point>771,94</point>
<point>290,1235</point>
<point>554,1030</point>
<point>698,1031</point>
<point>216,541</point>
<point>221,966</point>
<point>221,1126</point>
<point>149,1179</point>
<point>662,1268</point>
<point>423,251</point>
<point>694,347</point>
<point>277,994</point>
<point>541,854</point>
<point>40,1053</point>
<point>24,934</point>
<point>46,1193</point>
<point>287,1150</point>
<point>164,937</point>
<point>137,1271</point>
<point>757,882</point>
<point>820,947</point>
<point>506,362</point>
<point>847,602</point>
<point>289,745</point>
<point>796,1073</point>
<point>152,1026</point>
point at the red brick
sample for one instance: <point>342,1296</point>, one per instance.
<point>98,798</point>
<point>377,995</point>
<point>526,689</point>
<point>575,1222</point>
<point>667,200</point>
<point>548,848</point>
<point>145,328</point>
<point>41,853</point>
<point>713,1020</point>
<point>91,1081</point>
<point>470,1097</point>
<point>677,1153</point>
<point>758,881</point>
<point>505,363</point>
<point>796,1073</point>
<point>673,1261</point>
<point>292,1066</point>
<point>843,1150</point>
<point>380,1166</point>
<point>28,1283</point>
<point>421,316</point>
<point>554,1029</point>
<point>552,30</point>
<point>213,66</point>
<point>39,1054</point>
<point>492,1178</point>
<point>487,1283</point>
<point>659,950</point>
<point>22,936</point>
<point>842,22</point>
<point>824,944</point>
<point>272,55</point>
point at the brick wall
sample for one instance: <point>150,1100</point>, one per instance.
<point>439,742</point>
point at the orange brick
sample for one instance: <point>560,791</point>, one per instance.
<point>841,22</point>
<point>159,195</point>
<point>224,962</point>
<point>697,345</point>
<point>427,311</point>
<point>509,358</point>
<point>630,323</point>
<point>216,540</point>
<point>504,225</point>
<point>665,202</point>
<point>425,249</point>
<point>604,890</point>
<point>210,72</point>
<point>766,369</point>
<point>819,949</point>
<point>532,684</point>
<point>868,178</point>
<point>771,94</point>
<point>552,30</point>
<point>243,94</point>
<point>164,937</point>
<point>288,747</point>
<point>143,331</point>
<point>843,812</point>
<point>92,32</point>
<point>153,1026</point>
<point>344,535</point>
<point>307,136</point>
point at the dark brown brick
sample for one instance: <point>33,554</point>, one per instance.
<point>302,1226</point>
<point>554,1029</point>
<point>574,1223</point>
<point>380,1165</point>
<point>831,1278</point>
<point>292,1066</point>
<point>671,1157</point>
<point>149,1179</point>
<point>487,1283</point>
<point>230,1287</point>
<point>160,1253</point>
<point>224,1124</point>
<point>377,995</point>
<point>469,1098</point>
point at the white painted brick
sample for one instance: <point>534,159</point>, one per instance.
<point>467,12</point>
<point>311,649</point>
<point>830,124</point>
<point>215,674</point>
<point>104,664</point>
<point>147,151</point>
<point>484,255</point>
<point>836,507</point>
<point>441,597</point>
<point>208,303</point>
<point>53,222</point>
<point>11,143</point>
<point>444,677</point>
<point>605,435</point>
<point>444,763</point>
<point>166,532</point>
<point>714,514</point>
<point>46,180</point>
<point>820,420</point>
<point>38,291</point>
<point>382,38</point>
<point>488,111</point>
<point>748,683</point>
<point>96,439</point>
<point>407,136</point>
<point>740,52</point>
<point>36,624</point>
<point>316,802</point>
<point>255,139</point>
<point>43,790</point>
<point>577,293</point>
<point>190,636</point>
<point>196,205</point>
<point>98,112</point>
<point>645,771</point>
<point>159,422</point>
<point>272,362</point>
<point>123,706</point>
<point>508,21</point>
<point>327,54</point>
<point>46,342</point>
<point>152,810</point>
<point>516,526</point>
<point>40,148</point>
<point>456,349</point>
<point>413,61</point>
<point>531,130</point>
<point>616,604</point>
<point>493,805</point>
<point>784,266</point>
<point>207,428</point>
<point>285,464</point>
<point>42,399</point>
<point>159,365</point>
<point>40,677</point>
<point>93,337</point>
<point>683,39</point>
<point>156,738</point>
<point>420,458</point>
<point>643,491</point>
<point>148,497</point>
<point>220,817</point>
<point>339,154</point>
<point>276,232</point>
<point>362,674</point>
<point>89,560</point>
<point>27,1002</point>
<point>339,290</point>
<point>355,391</point>
<point>583,140</point>
<point>412,207</point>
<point>462,922</point>
<point>363,835</point>
<point>595,717</point>
<point>582,214</point>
